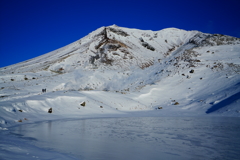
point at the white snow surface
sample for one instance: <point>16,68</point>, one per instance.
<point>121,71</point>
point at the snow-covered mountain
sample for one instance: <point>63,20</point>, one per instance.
<point>116,70</point>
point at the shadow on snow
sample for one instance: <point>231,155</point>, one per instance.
<point>224,103</point>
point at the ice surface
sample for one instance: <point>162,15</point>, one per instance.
<point>133,138</point>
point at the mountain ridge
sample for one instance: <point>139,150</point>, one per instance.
<point>82,40</point>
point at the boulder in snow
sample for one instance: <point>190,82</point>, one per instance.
<point>192,71</point>
<point>176,103</point>
<point>83,104</point>
<point>50,110</point>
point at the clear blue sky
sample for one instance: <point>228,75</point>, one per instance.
<point>29,28</point>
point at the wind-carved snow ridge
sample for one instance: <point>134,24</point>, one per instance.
<point>122,69</point>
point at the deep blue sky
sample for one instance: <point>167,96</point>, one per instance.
<point>29,28</point>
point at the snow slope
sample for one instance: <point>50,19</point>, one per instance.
<point>117,71</point>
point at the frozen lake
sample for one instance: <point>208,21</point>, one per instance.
<point>141,138</point>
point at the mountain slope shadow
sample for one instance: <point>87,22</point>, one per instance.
<point>224,103</point>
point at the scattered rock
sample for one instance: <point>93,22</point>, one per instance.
<point>101,106</point>
<point>148,46</point>
<point>176,103</point>
<point>50,110</point>
<point>192,71</point>
<point>83,104</point>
